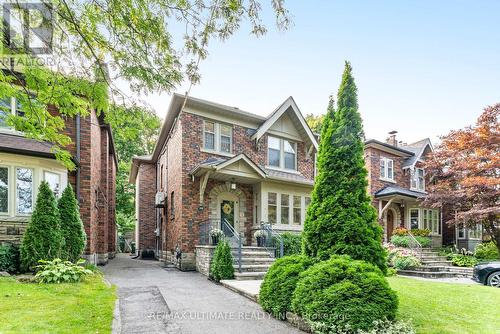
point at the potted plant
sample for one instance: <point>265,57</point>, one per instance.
<point>216,235</point>
<point>261,238</point>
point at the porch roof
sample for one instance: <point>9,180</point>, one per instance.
<point>240,168</point>
<point>390,191</point>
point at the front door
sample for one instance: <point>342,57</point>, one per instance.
<point>390,224</point>
<point>227,215</point>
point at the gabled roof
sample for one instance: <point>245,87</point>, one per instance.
<point>217,164</point>
<point>290,106</point>
<point>396,150</point>
<point>418,148</point>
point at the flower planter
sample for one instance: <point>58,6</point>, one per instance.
<point>215,240</point>
<point>261,241</point>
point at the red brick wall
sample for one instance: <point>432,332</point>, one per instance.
<point>146,216</point>
<point>372,161</point>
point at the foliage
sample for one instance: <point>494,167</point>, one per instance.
<point>292,243</point>
<point>72,231</point>
<point>465,170</point>
<point>379,327</point>
<point>222,262</point>
<point>279,283</point>
<point>216,233</point>
<point>59,271</point>
<point>461,260</point>
<point>400,231</point>
<point>138,38</point>
<point>9,258</point>
<point>406,241</point>
<point>421,232</point>
<point>341,291</point>
<point>315,122</point>
<point>258,234</point>
<point>124,222</point>
<point>42,239</point>
<point>437,307</point>
<point>85,307</point>
<point>340,218</point>
<point>486,251</point>
<point>403,262</point>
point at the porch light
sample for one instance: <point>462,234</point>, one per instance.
<point>233,186</point>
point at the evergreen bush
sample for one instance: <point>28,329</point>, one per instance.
<point>487,251</point>
<point>345,293</point>
<point>341,218</point>
<point>405,241</point>
<point>279,283</point>
<point>292,243</point>
<point>9,258</point>
<point>222,262</point>
<point>42,239</point>
<point>72,231</point>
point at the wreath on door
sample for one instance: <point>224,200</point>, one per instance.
<point>226,208</point>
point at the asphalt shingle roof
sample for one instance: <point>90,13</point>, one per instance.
<point>395,190</point>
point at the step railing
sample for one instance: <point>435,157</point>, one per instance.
<point>415,246</point>
<point>233,236</point>
<point>273,242</point>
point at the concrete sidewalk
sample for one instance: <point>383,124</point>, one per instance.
<point>249,288</point>
<point>158,300</point>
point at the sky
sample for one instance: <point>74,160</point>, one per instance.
<point>422,67</point>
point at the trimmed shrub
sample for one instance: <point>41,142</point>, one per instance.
<point>487,251</point>
<point>72,231</point>
<point>341,218</point>
<point>42,239</point>
<point>222,262</point>
<point>403,262</point>
<point>343,292</point>
<point>424,232</point>
<point>9,258</point>
<point>461,260</point>
<point>59,271</point>
<point>405,241</point>
<point>279,283</point>
<point>292,243</point>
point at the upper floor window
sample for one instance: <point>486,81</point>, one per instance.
<point>217,137</point>
<point>281,153</point>
<point>8,106</point>
<point>386,169</point>
<point>418,179</point>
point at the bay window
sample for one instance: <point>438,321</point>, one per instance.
<point>425,219</point>
<point>475,231</point>
<point>272,211</point>
<point>24,190</point>
<point>418,179</point>
<point>297,208</point>
<point>4,189</point>
<point>54,181</point>
<point>285,209</point>
<point>414,218</point>
<point>386,169</point>
<point>217,137</point>
<point>281,153</point>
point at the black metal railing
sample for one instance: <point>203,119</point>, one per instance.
<point>272,242</point>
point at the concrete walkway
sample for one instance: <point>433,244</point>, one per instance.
<point>153,299</point>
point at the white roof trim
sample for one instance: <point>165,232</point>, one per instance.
<point>244,158</point>
<point>289,102</point>
<point>419,155</point>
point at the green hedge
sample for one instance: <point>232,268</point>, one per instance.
<point>292,243</point>
<point>279,283</point>
<point>222,262</point>
<point>404,241</point>
<point>9,258</point>
<point>487,251</point>
<point>342,292</point>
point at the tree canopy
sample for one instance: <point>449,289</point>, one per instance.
<point>465,171</point>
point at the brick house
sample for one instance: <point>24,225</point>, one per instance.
<point>215,162</point>
<point>25,163</point>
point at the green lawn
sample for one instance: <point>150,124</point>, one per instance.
<point>448,307</point>
<point>56,308</point>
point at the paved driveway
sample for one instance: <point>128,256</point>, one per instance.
<point>158,300</point>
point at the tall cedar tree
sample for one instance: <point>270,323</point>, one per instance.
<point>341,219</point>
<point>42,239</point>
<point>72,231</point>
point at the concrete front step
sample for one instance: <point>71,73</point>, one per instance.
<point>426,274</point>
<point>253,267</point>
<point>440,271</point>
<point>248,254</point>
<point>255,260</point>
<point>436,263</point>
<point>249,275</point>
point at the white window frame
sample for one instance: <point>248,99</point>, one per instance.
<point>217,138</point>
<point>44,175</point>
<point>461,227</point>
<point>290,208</point>
<point>276,205</point>
<point>9,182</point>
<point>384,165</point>
<point>427,219</point>
<point>17,193</point>
<point>282,154</point>
<point>300,207</point>
<point>480,232</point>
<point>414,182</point>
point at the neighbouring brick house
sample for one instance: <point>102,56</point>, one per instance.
<point>215,162</point>
<point>25,163</point>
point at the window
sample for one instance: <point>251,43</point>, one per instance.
<point>271,208</point>
<point>414,218</point>
<point>461,231</point>
<point>285,209</point>
<point>54,182</point>
<point>307,202</point>
<point>172,205</point>
<point>418,179</point>
<point>24,190</point>
<point>475,231</point>
<point>9,106</point>
<point>274,151</point>
<point>281,153</point>
<point>386,169</point>
<point>217,137</point>
<point>435,222</point>
<point>297,210</point>
<point>4,189</point>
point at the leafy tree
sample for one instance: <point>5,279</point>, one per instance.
<point>72,231</point>
<point>341,219</point>
<point>315,122</point>
<point>464,167</point>
<point>153,45</point>
<point>42,239</point>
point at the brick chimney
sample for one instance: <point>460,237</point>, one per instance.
<point>391,140</point>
